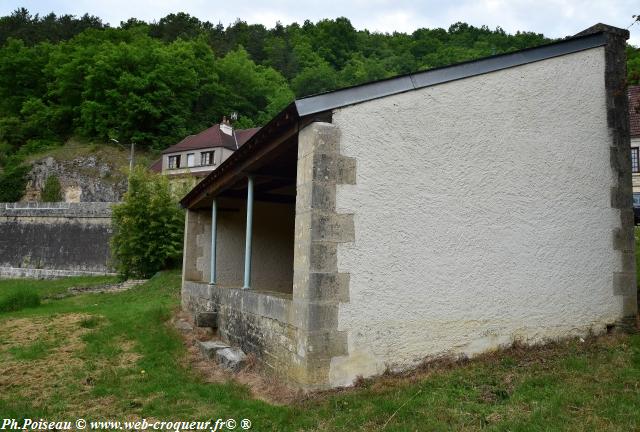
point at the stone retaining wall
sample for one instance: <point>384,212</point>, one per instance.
<point>48,240</point>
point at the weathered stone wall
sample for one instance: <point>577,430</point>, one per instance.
<point>319,287</point>
<point>621,194</point>
<point>54,239</point>
<point>257,322</point>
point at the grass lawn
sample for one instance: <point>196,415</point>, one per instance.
<point>114,356</point>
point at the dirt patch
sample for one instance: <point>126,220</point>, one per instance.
<point>128,357</point>
<point>36,379</point>
<point>261,385</point>
<point>61,367</point>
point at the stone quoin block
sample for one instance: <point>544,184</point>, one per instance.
<point>206,319</point>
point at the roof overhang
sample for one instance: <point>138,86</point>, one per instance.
<point>240,163</point>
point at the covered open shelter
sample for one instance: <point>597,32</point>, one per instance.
<point>445,212</point>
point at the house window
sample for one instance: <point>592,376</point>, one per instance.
<point>174,162</point>
<point>191,159</point>
<point>635,160</point>
<point>206,158</point>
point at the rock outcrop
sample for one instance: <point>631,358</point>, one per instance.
<point>83,179</point>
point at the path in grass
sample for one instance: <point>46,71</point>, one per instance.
<point>113,356</point>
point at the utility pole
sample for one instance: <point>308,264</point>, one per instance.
<point>133,146</point>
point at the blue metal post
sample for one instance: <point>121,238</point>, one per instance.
<point>214,238</point>
<point>247,244</point>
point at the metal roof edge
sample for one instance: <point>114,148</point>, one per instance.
<point>400,84</point>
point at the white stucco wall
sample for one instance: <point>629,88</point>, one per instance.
<point>482,214</point>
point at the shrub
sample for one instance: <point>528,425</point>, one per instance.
<point>148,226</point>
<point>13,181</point>
<point>19,299</point>
<point>34,146</point>
<point>52,191</point>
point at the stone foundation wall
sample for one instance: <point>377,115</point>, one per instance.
<point>258,323</point>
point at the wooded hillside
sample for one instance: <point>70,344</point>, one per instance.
<point>154,83</point>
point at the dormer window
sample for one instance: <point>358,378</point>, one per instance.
<point>206,158</point>
<point>174,162</point>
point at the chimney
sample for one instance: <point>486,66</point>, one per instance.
<point>225,126</point>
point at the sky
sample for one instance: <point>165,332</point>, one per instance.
<point>554,18</point>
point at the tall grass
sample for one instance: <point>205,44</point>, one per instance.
<point>15,300</point>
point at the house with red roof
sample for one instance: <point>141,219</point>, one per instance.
<point>197,155</point>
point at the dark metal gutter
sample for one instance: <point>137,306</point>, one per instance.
<point>404,83</point>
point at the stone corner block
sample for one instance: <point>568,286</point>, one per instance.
<point>316,195</point>
<point>318,137</point>
<point>210,348</point>
<point>323,344</point>
<point>624,283</point>
<point>231,358</point>
<point>331,287</point>
<point>332,227</point>
<point>621,196</point>
<point>333,167</point>
<point>624,239</point>
<point>314,316</point>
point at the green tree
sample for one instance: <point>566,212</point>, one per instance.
<point>21,74</point>
<point>13,181</point>
<point>52,191</point>
<point>633,65</point>
<point>315,79</point>
<point>180,25</point>
<point>335,40</point>
<point>359,70</point>
<point>148,226</point>
<point>33,29</point>
<point>256,92</point>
